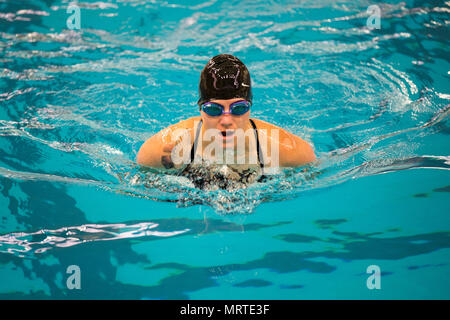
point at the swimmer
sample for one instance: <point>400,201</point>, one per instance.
<point>224,137</point>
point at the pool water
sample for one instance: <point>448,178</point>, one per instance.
<point>76,105</point>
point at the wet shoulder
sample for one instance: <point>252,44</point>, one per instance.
<point>173,132</point>
<point>276,134</point>
<point>179,129</point>
<point>261,124</point>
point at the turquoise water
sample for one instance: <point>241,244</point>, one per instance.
<point>76,105</point>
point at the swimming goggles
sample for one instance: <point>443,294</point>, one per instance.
<point>237,108</point>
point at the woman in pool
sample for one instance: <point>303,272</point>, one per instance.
<point>224,139</point>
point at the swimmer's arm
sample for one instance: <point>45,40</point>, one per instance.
<point>156,151</point>
<point>152,151</point>
<point>294,151</point>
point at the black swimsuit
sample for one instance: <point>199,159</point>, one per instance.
<point>203,178</point>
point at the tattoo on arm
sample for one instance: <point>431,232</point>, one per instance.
<point>167,162</point>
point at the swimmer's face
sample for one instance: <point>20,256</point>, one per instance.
<point>226,123</point>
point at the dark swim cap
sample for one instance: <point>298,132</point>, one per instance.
<point>224,77</point>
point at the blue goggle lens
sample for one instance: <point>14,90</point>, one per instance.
<point>240,108</point>
<point>212,109</point>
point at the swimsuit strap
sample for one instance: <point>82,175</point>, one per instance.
<point>194,146</point>
<point>258,147</point>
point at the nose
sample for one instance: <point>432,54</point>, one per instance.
<point>226,120</point>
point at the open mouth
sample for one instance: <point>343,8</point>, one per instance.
<point>227,134</point>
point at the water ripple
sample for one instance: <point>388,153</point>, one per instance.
<point>21,243</point>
